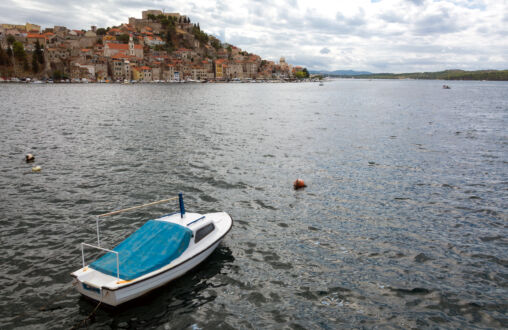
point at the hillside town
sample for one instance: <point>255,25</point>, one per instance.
<point>157,47</point>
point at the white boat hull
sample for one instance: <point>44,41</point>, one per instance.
<point>107,289</point>
<point>136,290</point>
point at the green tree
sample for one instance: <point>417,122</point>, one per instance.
<point>215,43</point>
<point>26,66</point>
<point>35,64</point>
<point>300,74</point>
<point>101,31</point>
<point>11,39</point>
<point>18,50</point>
<point>9,54</point>
<point>306,73</point>
<point>38,53</point>
<point>171,31</point>
<point>199,35</point>
<point>230,51</point>
<point>3,56</point>
<point>57,75</point>
<point>123,38</point>
<point>151,17</point>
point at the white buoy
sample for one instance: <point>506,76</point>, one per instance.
<point>36,169</point>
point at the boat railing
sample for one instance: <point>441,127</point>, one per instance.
<point>103,249</point>
<point>190,223</point>
<point>179,197</point>
<point>182,212</point>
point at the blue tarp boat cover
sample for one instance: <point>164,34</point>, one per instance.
<point>151,247</point>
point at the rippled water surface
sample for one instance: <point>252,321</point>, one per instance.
<point>403,222</point>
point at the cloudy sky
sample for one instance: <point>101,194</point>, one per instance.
<point>371,35</point>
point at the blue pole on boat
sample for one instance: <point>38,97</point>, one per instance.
<point>182,207</point>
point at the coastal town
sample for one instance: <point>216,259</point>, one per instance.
<point>158,47</point>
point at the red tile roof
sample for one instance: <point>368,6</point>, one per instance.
<point>117,46</point>
<point>33,35</point>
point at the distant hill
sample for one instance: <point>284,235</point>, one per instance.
<point>440,75</point>
<point>341,72</point>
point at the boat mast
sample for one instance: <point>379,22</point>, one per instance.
<point>182,207</point>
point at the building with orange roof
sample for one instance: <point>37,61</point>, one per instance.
<point>146,73</point>
<point>153,41</point>
<point>168,74</point>
<point>233,70</point>
<point>114,32</point>
<point>121,69</point>
<point>219,68</point>
<point>131,49</point>
<point>250,68</point>
<point>32,38</point>
<point>135,72</point>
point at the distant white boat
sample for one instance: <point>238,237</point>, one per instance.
<point>158,252</point>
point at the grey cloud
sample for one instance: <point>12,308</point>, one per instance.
<point>324,51</point>
<point>293,3</point>
<point>416,2</point>
<point>242,41</point>
<point>392,17</point>
<point>356,20</point>
<point>483,30</point>
<point>439,23</point>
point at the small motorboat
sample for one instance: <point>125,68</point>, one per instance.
<point>158,252</point>
<point>446,87</point>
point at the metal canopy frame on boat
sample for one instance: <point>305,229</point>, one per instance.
<point>182,213</point>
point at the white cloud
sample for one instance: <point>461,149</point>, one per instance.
<point>384,35</point>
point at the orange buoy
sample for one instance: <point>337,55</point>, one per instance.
<point>299,184</point>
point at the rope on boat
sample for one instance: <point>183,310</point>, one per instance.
<point>137,207</point>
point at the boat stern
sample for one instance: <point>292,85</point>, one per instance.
<point>91,283</point>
